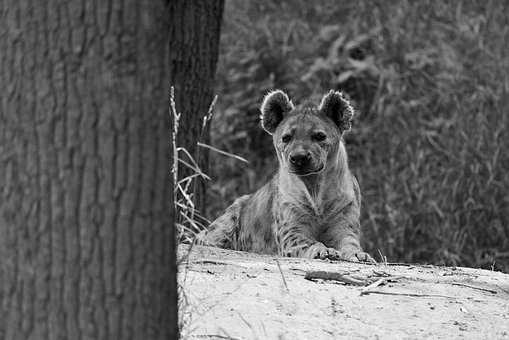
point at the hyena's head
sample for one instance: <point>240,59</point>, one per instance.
<point>306,138</point>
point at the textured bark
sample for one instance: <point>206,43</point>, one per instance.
<point>86,233</point>
<point>194,49</point>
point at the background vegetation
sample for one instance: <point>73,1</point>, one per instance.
<point>430,141</point>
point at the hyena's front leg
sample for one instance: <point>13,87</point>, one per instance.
<point>347,238</point>
<point>344,235</point>
<point>223,232</point>
<point>295,240</point>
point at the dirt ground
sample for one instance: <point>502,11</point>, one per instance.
<point>236,295</point>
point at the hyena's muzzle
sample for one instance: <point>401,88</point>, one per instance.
<point>302,160</point>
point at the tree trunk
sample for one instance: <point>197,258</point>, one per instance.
<point>194,49</point>
<point>86,232</point>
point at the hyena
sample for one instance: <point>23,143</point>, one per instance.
<point>311,207</point>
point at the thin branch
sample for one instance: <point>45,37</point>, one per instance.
<point>282,275</point>
<point>219,263</point>
<point>207,146</point>
<point>323,275</point>
<point>195,224</point>
<point>214,336</point>
<point>186,196</point>
<point>197,170</point>
<point>366,292</point>
<point>188,178</point>
<point>474,287</point>
<point>208,116</point>
<point>373,285</point>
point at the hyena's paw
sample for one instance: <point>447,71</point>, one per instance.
<point>356,255</point>
<point>201,238</point>
<point>212,238</point>
<point>320,251</point>
<point>365,257</point>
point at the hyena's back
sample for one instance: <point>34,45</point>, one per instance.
<point>247,224</point>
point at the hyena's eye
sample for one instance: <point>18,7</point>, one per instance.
<point>286,138</point>
<point>318,136</point>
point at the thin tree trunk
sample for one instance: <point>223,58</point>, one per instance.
<point>194,49</point>
<point>86,233</point>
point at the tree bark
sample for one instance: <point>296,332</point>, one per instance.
<point>194,49</point>
<point>86,232</point>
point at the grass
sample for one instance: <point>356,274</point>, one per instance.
<point>189,221</point>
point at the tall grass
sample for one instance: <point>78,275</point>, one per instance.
<point>429,147</point>
<point>189,221</point>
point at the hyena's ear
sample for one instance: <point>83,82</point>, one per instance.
<point>335,106</point>
<point>275,106</point>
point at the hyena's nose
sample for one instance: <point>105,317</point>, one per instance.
<point>300,159</point>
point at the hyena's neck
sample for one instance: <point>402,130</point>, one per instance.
<point>314,191</point>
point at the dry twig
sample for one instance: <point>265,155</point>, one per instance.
<point>213,336</point>
<point>474,287</point>
<point>366,292</point>
<point>373,285</point>
<point>221,263</point>
<point>282,275</point>
<point>323,275</point>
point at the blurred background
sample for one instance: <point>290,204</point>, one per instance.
<point>430,141</point>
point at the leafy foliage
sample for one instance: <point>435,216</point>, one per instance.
<point>429,143</point>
